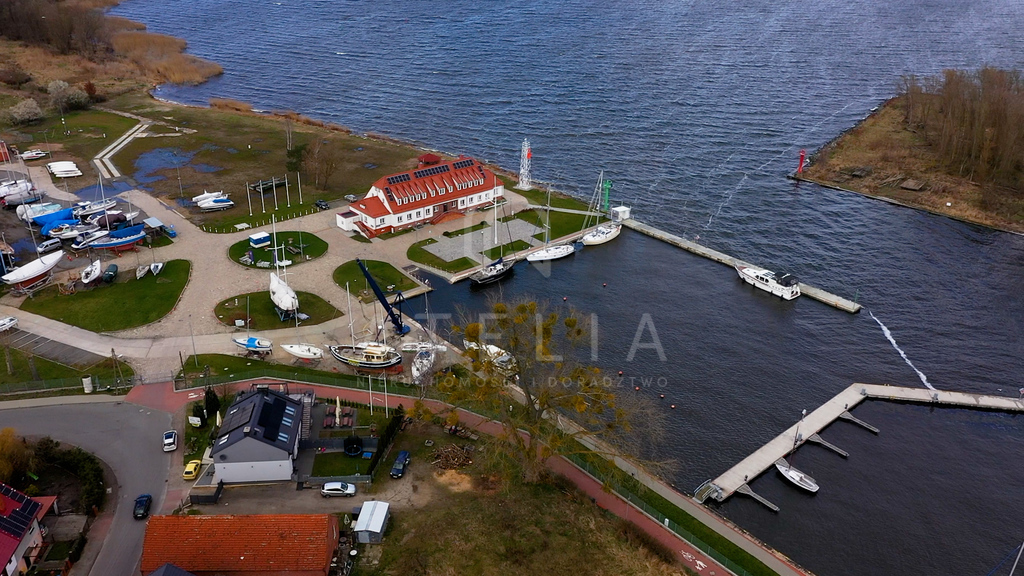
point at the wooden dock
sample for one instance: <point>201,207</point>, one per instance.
<point>807,290</point>
<point>737,478</point>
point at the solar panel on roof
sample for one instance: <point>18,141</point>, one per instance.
<point>16,522</point>
<point>398,179</point>
<point>463,164</point>
<point>433,170</point>
<point>237,418</point>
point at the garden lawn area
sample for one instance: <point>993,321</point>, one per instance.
<point>262,315</point>
<point>540,197</point>
<point>473,228</point>
<point>127,303</point>
<point>224,365</point>
<point>416,253</point>
<point>312,247</point>
<point>562,223</point>
<point>506,249</point>
<point>338,464</point>
<point>387,277</point>
<point>90,132</point>
<point>102,373</point>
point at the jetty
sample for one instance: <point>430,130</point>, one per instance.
<point>805,289</point>
<point>737,478</point>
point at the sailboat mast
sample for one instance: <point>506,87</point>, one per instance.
<point>351,331</point>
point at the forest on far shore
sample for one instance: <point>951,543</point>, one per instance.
<point>974,120</point>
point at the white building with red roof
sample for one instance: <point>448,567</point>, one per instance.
<point>21,539</point>
<point>428,194</point>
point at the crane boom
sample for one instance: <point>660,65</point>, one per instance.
<point>396,319</point>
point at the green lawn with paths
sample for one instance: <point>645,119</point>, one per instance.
<point>416,253</point>
<point>263,316</point>
<point>312,247</point>
<point>127,303</point>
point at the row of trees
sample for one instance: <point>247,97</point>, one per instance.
<point>68,28</point>
<point>975,120</point>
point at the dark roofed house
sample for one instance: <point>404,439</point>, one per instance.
<point>258,545</point>
<point>20,536</point>
<point>259,439</point>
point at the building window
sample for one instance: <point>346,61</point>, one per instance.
<point>418,214</point>
<point>380,221</point>
<point>399,218</point>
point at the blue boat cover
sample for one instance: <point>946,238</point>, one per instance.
<point>58,215</point>
<point>126,232</point>
<point>54,223</point>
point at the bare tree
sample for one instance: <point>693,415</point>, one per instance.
<point>321,159</point>
<point>526,368</point>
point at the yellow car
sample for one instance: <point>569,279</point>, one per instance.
<point>191,470</point>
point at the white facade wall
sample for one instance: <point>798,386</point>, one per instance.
<point>272,471</point>
<point>403,218</point>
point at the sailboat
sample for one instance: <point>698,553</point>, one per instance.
<point>609,230</point>
<point>500,268</point>
<point>91,272</point>
<point>364,355</point>
<point>34,271</point>
<point>549,251</point>
<point>253,343</point>
<point>280,292</point>
<point>800,479</point>
<point>155,267</point>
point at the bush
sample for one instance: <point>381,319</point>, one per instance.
<point>24,112</point>
<point>76,549</point>
<point>14,76</point>
<point>66,97</point>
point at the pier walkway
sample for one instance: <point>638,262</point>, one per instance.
<point>807,290</point>
<point>736,479</point>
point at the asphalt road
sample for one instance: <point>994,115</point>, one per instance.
<point>128,438</point>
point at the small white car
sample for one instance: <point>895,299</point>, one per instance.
<point>8,323</point>
<point>338,489</point>
<point>170,441</point>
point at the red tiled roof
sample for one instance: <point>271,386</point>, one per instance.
<point>45,504</point>
<point>424,185</point>
<point>241,544</point>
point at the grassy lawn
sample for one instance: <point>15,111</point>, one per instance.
<point>473,228</point>
<point>90,132</point>
<point>540,197</point>
<point>505,249</point>
<point>387,277</point>
<point>247,148</point>
<point>59,550</point>
<point>50,370</point>
<point>389,235</point>
<point>562,223</point>
<point>263,316</point>
<point>338,464</point>
<point>416,253</point>
<point>127,303</point>
<point>477,527</point>
<point>226,365</point>
<point>311,247</point>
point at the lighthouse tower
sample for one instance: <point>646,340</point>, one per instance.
<point>524,167</point>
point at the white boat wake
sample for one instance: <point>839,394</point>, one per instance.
<point>924,379</point>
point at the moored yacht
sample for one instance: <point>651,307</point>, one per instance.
<point>786,286</point>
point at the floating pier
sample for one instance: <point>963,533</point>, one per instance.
<point>736,479</point>
<point>805,289</point>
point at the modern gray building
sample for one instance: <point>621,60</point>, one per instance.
<point>259,439</point>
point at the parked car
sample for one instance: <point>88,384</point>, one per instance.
<point>170,441</point>
<point>338,489</point>
<point>191,470</point>
<point>8,323</point>
<point>322,204</point>
<point>351,198</point>
<point>142,504</point>
<point>48,245</point>
<point>401,463</point>
<point>110,274</point>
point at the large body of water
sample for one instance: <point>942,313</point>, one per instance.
<point>697,110</point>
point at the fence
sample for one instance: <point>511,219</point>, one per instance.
<point>639,502</point>
<point>98,384</point>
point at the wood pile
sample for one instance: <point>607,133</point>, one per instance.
<point>451,457</point>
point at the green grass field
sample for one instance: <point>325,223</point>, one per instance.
<point>90,131</point>
<point>338,464</point>
<point>387,277</point>
<point>473,228</point>
<point>562,223</point>
<point>312,247</point>
<point>264,317</point>
<point>540,197</point>
<point>49,370</point>
<point>416,253</point>
<point>127,303</point>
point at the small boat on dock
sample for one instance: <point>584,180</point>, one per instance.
<point>85,240</point>
<point>214,204</point>
<point>141,271</point>
<point>282,294</point>
<point>366,355</point>
<point>208,196</point>
<point>34,271</point>
<point>786,286</point>
<point>84,209</point>
<point>122,237</point>
<point>303,351</point>
<point>91,273</point>
<point>254,344</point>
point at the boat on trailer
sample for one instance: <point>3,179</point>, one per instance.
<point>254,344</point>
<point>91,272</point>
<point>785,286</point>
<point>303,351</point>
<point>31,273</point>
<point>366,355</point>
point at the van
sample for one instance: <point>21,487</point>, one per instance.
<point>401,463</point>
<point>48,245</point>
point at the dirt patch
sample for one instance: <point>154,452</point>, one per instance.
<point>65,486</point>
<point>454,480</point>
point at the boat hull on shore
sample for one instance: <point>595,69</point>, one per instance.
<point>366,355</point>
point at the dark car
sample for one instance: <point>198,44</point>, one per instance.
<point>322,204</point>
<point>142,504</point>
<point>110,274</point>
<point>401,463</point>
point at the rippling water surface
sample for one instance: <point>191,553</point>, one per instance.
<point>697,110</point>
